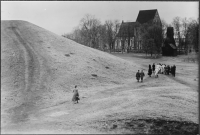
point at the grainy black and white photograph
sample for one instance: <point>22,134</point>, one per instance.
<point>100,67</point>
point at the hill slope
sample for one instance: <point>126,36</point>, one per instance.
<point>40,68</point>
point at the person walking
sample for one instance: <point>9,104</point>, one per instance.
<point>160,68</point>
<point>171,70</point>
<point>142,75</point>
<point>153,67</point>
<point>174,68</point>
<point>149,71</point>
<point>165,69</point>
<point>138,75</point>
<point>168,70</point>
<point>75,97</point>
<point>157,70</point>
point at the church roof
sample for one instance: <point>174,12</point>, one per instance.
<point>127,29</point>
<point>146,15</point>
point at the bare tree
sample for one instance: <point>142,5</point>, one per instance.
<point>152,38</point>
<point>103,37</point>
<point>92,33</point>
<point>184,33</point>
<point>145,42</point>
<point>164,27</point>
<point>90,30</point>
<point>109,29</point>
<point>193,33</point>
<point>185,23</point>
<point>116,28</point>
<point>152,46</point>
<point>112,28</point>
<point>176,23</point>
<point>75,35</point>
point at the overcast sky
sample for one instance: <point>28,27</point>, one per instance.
<point>62,16</point>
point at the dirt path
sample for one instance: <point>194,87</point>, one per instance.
<point>32,74</point>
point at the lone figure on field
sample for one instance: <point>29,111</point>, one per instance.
<point>76,95</point>
<point>138,75</point>
<point>142,75</point>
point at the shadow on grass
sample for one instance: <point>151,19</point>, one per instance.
<point>150,126</point>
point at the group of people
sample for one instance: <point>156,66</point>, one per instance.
<point>161,69</point>
<point>140,75</point>
<point>157,69</point>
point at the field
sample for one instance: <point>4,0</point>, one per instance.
<point>39,70</point>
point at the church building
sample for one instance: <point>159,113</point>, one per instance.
<point>128,37</point>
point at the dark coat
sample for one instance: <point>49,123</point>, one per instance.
<point>76,95</point>
<point>174,70</point>
<point>165,70</point>
<point>137,75</point>
<point>153,67</point>
<point>168,69</point>
<point>149,71</point>
<point>142,74</point>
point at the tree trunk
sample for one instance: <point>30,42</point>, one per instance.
<point>114,46</point>
<point>128,44</point>
<point>186,48</point>
<point>110,47</point>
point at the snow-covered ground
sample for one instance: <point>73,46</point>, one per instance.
<point>39,70</point>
